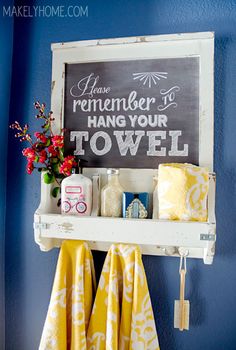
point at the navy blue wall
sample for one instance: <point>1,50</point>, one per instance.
<point>29,272</point>
<point>6,31</point>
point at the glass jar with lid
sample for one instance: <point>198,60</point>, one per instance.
<point>111,195</point>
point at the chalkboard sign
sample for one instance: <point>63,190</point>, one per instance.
<point>133,113</point>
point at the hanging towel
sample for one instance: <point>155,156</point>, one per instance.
<point>71,300</point>
<point>122,316</point>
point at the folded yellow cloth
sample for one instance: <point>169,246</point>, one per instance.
<point>122,316</point>
<point>71,300</point>
<point>182,192</point>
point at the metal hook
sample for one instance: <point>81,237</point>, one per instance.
<point>170,251</point>
<point>183,252</point>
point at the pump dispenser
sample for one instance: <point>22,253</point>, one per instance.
<point>76,193</point>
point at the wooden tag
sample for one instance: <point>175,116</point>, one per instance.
<point>186,312</point>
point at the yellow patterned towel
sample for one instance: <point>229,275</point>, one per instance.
<point>182,192</point>
<point>71,300</point>
<point>122,316</point>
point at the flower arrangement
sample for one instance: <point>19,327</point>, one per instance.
<point>46,152</point>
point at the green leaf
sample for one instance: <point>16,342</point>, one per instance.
<point>55,192</point>
<point>54,160</point>
<point>48,143</point>
<point>46,126</point>
<point>55,169</point>
<point>48,178</point>
<point>61,155</point>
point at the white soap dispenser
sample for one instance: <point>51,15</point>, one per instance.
<point>76,194</point>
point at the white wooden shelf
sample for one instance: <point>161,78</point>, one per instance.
<point>155,237</point>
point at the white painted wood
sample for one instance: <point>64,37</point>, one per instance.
<point>147,231</point>
<point>209,251</point>
<point>127,40</point>
<point>155,237</point>
<point>48,204</point>
<point>211,198</point>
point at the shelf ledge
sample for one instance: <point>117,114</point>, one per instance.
<point>156,237</point>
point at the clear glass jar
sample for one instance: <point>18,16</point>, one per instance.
<point>111,195</point>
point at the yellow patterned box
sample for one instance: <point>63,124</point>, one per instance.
<point>182,192</point>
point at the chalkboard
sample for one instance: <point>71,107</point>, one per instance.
<point>133,114</point>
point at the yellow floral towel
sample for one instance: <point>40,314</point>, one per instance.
<point>182,192</point>
<point>71,300</point>
<point>122,316</point>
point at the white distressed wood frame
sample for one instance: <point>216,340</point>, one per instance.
<point>148,47</point>
<point>154,236</point>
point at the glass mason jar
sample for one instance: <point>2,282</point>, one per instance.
<point>111,195</point>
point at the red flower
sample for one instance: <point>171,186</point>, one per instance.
<point>42,156</point>
<point>40,137</point>
<point>29,153</point>
<point>67,165</point>
<point>58,141</point>
<point>30,167</point>
<point>52,151</point>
